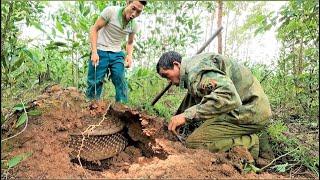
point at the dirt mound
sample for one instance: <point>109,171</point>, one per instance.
<point>152,152</point>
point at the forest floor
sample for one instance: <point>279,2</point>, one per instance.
<point>161,155</point>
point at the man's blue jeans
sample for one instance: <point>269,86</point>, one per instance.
<point>108,61</point>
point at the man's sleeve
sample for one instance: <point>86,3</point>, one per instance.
<point>219,96</point>
<point>135,27</point>
<point>107,13</point>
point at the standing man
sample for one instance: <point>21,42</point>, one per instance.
<point>224,95</point>
<point>106,35</point>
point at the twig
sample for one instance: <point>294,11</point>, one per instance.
<point>297,170</point>
<point>307,172</point>
<point>312,132</point>
<point>25,127</point>
<point>277,159</point>
<point>290,174</point>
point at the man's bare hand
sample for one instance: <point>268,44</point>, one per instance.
<point>175,122</point>
<point>95,59</point>
<point>128,61</point>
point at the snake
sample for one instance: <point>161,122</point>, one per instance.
<point>103,142</point>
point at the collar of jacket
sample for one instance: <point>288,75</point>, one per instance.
<point>183,75</point>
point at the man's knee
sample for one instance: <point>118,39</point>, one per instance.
<point>118,77</point>
<point>224,144</point>
<point>221,145</point>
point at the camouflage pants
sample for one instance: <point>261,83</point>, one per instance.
<point>221,133</point>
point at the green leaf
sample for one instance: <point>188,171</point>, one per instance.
<point>251,168</point>
<point>30,55</point>
<point>34,112</point>
<point>18,107</point>
<point>86,12</point>
<point>190,24</point>
<point>59,26</point>
<point>3,118</point>
<point>281,167</point>
<point>65,17</point>
<point>75,44</point>
<point>4,63</point>
<point>130,87</point>
<point>158,30</point>
<point>83,25</point>
<point>37,25</point>
<point>258,31</point>
<point>179,19</point>
<point>159,19</point>
<point>53,32</point>
<point>81,6</point>
<point>58,43</point>
<point>267,27</point>
<point>22,119</point>
<point>20,73</point>
<point>17,64</point>
<point>17,159</point>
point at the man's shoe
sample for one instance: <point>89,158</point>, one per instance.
<point>266,154</point>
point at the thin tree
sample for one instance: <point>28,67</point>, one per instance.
<point>219,22</point>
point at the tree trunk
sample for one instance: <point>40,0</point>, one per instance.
<point>211,29</point>
<point>208,20</point>
<point>5,30</point>
<point>300,57</point>
<point>225,34</point>
<point>219,22</point>
<point>294,64</point>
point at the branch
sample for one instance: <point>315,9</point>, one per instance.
<point>277,159</point>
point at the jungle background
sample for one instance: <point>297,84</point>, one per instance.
<point>289,72</point>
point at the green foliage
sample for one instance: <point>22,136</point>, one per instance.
<point>14,52</point>
<point>260,20</point>
<point>63,57</point>
<point>22,119</point>
<point>34,112</point>
<point>144,85</point>
<point>251,168</point>
<point>299,63</point>
<point>284,141</point>
<point>284,99</point>
<point>18,107</point>
<point>281,167</point>
<point>17,159</point>
<point>3,118</point>
<point>181,29</point>
<point>277,129</point>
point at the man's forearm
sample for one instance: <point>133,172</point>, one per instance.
<point>93,39</point>
<point>129,49</point>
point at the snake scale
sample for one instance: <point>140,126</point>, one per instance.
<point>102,142</point>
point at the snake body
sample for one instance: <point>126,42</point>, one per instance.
<point>102,142</point>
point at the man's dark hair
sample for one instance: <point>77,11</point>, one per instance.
<point>144,3</point>
<point>167,59</point>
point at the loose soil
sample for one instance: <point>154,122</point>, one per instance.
<point>152,152</point>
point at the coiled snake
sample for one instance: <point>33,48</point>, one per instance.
<point>102,142</point>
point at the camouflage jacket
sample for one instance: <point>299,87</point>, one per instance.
<point>219,85</point>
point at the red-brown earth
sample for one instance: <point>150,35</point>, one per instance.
<point>152,153</point>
